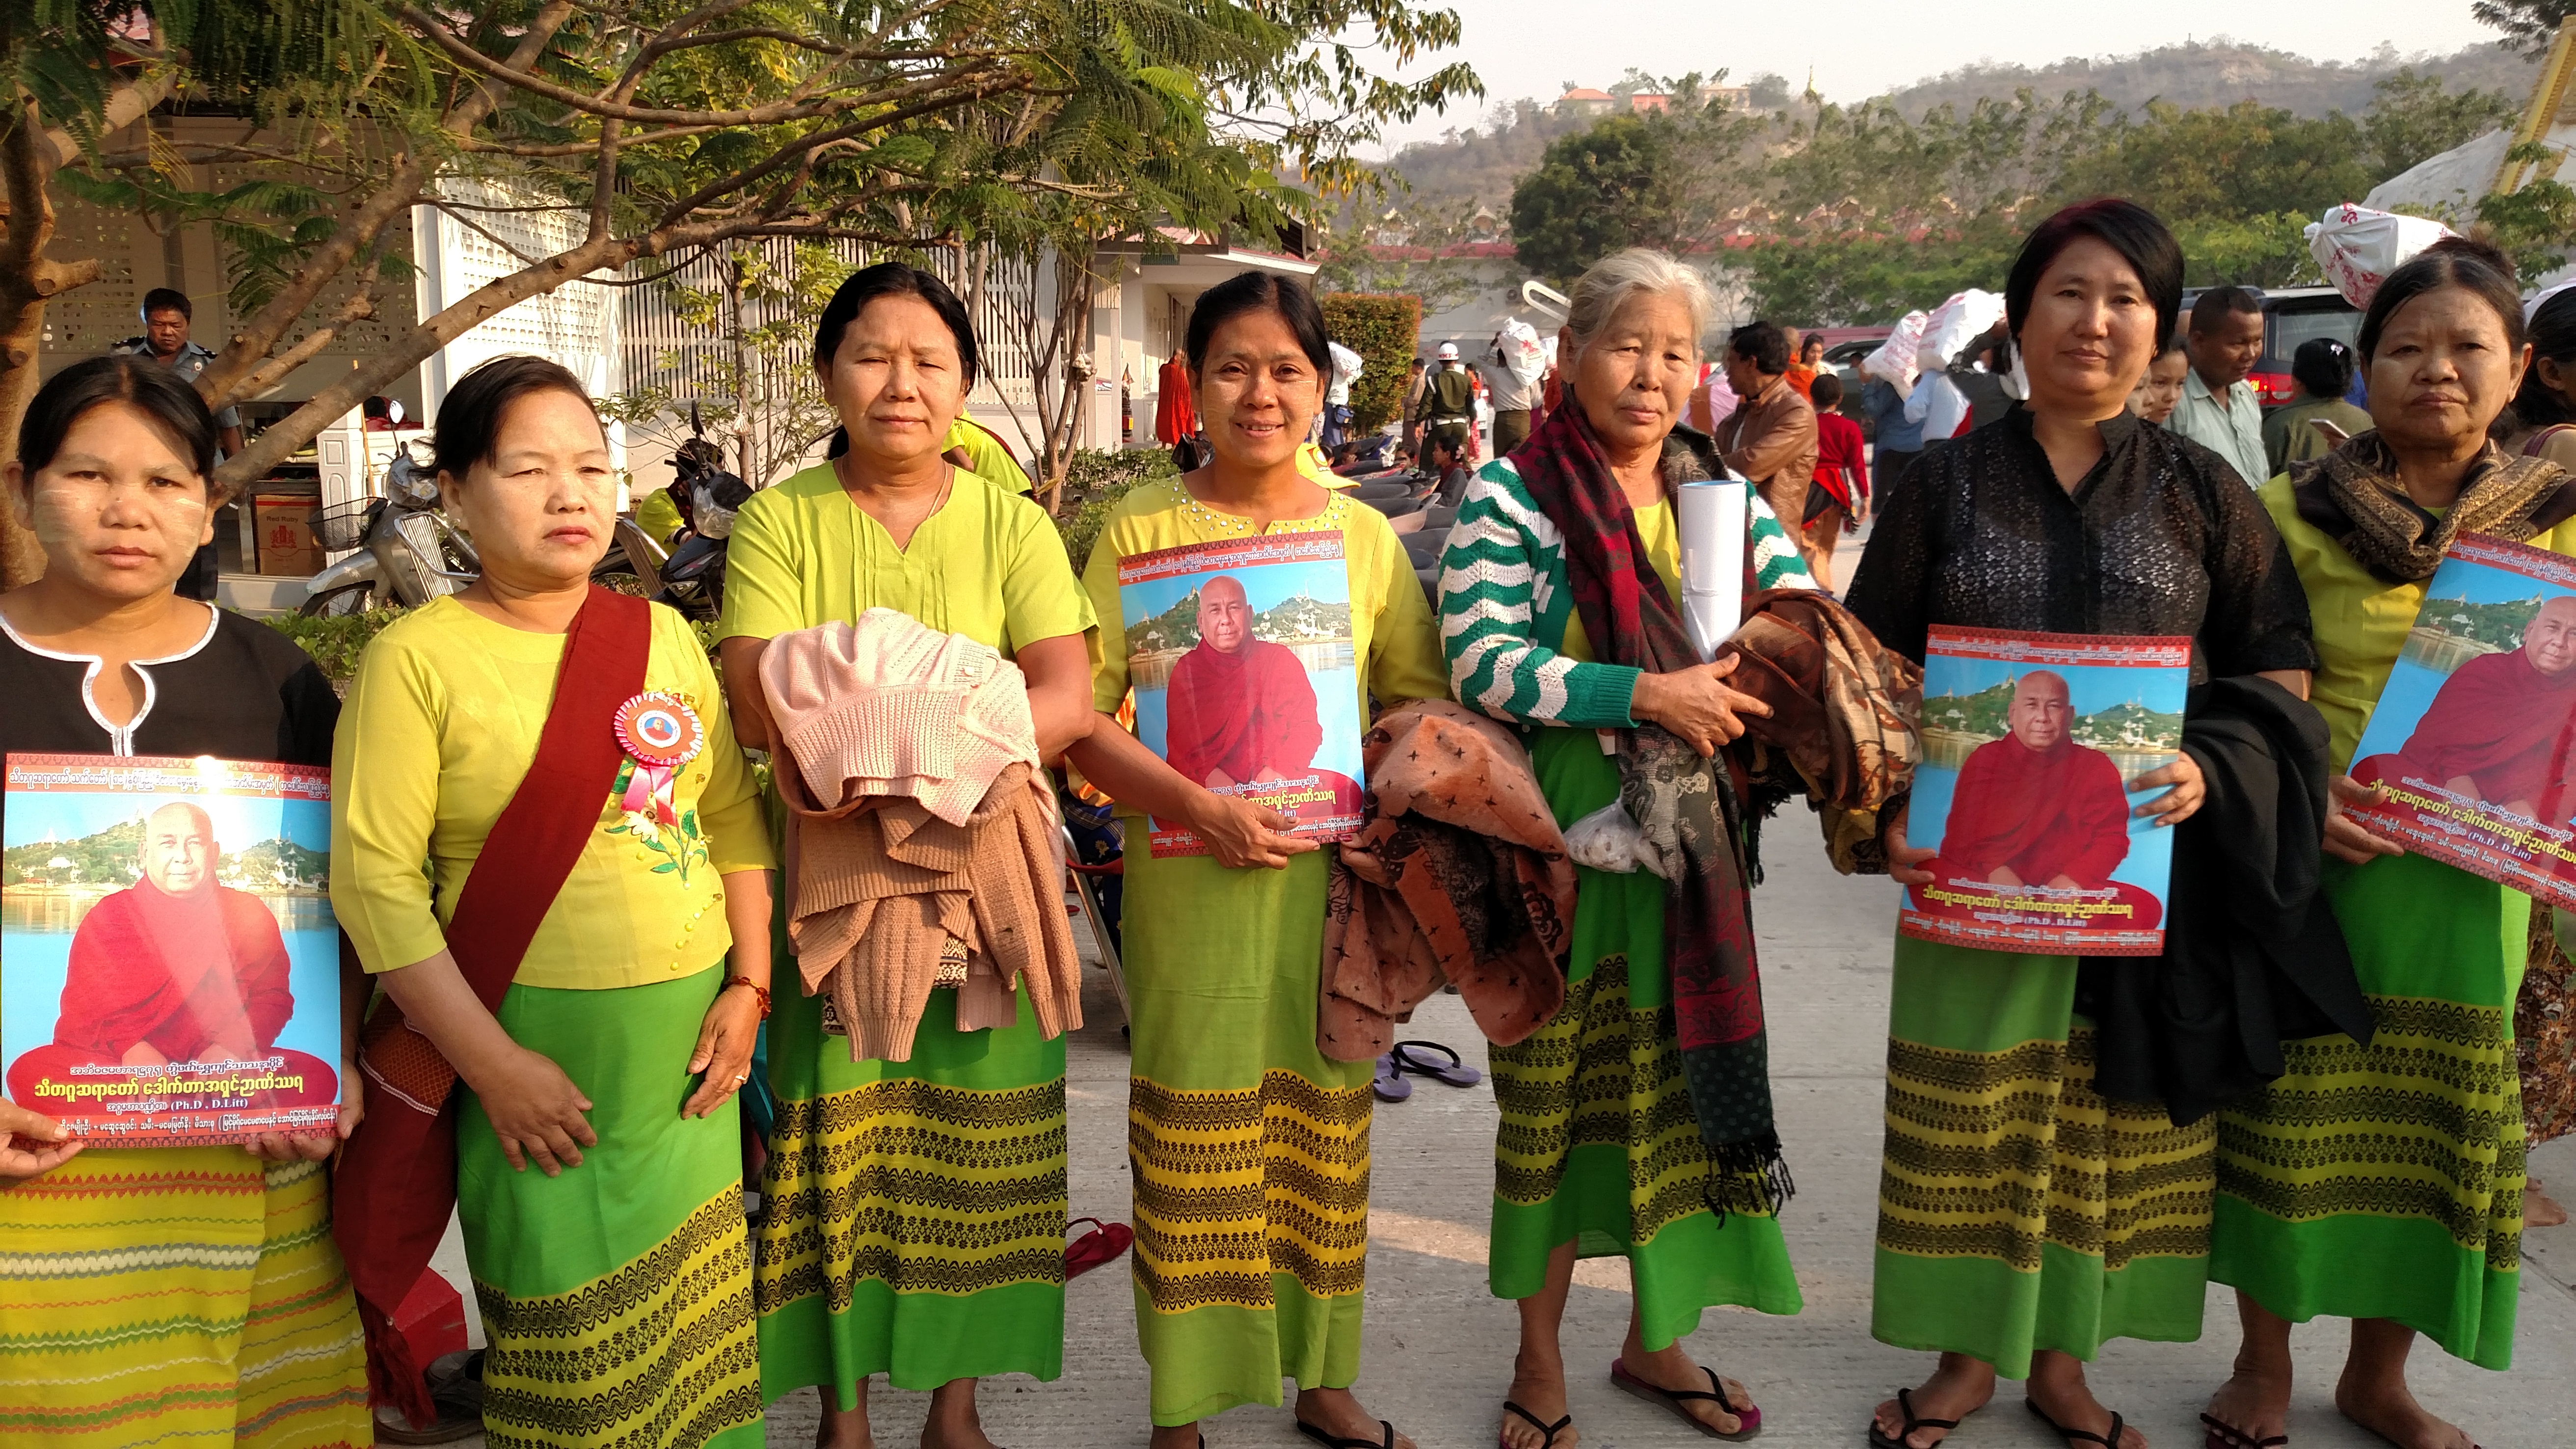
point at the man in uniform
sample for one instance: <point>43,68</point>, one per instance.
<point>166,317</point>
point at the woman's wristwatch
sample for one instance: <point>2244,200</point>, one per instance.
<point>758,990</point>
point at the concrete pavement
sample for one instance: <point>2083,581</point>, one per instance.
<point>1439,1348</point>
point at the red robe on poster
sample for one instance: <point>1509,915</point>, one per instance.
<point>1241,712</point>
<point>195,978</point>
<point>2042,814</point>
<point>2505,725</point>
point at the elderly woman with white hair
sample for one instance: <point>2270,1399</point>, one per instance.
<point>1638,1122</point>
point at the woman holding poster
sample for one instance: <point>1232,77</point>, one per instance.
<point>1259,613</point>
<point>587,954</point>
<point>167,1293</point>
<point>916,1209</point>
<point>1548,623</point>
<point>2399,1204</point>
<point>2065,516</point>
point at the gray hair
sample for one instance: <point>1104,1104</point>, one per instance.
<point>1609,283</point>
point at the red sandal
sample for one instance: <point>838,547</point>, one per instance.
<point>1101,1245</point>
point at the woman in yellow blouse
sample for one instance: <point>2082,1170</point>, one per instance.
<point>615,1280</point>
<point>1248,1146</point>
<point>916,1209</point>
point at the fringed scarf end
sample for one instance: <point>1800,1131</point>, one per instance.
<point>1751,1176</point>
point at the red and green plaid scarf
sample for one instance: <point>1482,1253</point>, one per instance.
<point>1708,919</point>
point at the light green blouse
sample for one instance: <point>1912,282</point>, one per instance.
<point>989,565</point>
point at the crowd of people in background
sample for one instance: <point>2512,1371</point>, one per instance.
<point>567,1071</point>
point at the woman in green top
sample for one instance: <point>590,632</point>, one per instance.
<point>615,1281</point>
<point>2383,1183</point>
<point>1248,1145</point>
<point>1600,1152</point>
<point>2317,417</point>
<point>916,1209</point>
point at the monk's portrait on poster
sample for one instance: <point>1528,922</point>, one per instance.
<point>177,950</point>
<point>2498,730</point>
<point>1241,709</point>
<point>2035,808</point>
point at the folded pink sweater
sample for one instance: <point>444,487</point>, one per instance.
<point>891,706</point>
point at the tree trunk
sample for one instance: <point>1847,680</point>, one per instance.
<point>27,278</point>
<point>412,348</point>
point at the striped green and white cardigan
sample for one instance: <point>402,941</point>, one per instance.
<point>1505,600</point>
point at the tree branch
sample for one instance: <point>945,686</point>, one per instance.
<point>127,103</point>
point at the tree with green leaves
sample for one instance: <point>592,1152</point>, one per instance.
<point>2528,25</point>
<point>671,130</point>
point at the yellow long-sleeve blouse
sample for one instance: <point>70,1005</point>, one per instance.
<point>440,727</point>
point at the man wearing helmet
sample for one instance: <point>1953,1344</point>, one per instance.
<point>1448,401</point>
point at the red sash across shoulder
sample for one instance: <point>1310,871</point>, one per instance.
<point>396,1181</point>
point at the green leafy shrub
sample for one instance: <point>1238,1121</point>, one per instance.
<point>336,643</point>
<point>1383,329</point>
<point>1098,478</point>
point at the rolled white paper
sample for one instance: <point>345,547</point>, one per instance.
<point>1710,519</point>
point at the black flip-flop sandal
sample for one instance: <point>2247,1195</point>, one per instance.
<point>1455,1072</point>
<point>1533,1420</point>
<point>1333,1441</point>
<point>1748,1419</point>
<point>2217,1433</point>
<point>1878,1437</point>
<point>2109,1441</point>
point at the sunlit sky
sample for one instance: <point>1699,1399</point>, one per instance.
<point>1858,48</point>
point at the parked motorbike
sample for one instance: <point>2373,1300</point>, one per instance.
<point>692,577</point>
<point>405,551</point>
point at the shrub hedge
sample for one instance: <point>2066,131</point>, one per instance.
<point>1382,327</point>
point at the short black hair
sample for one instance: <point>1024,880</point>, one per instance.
<point>2141,239</point>
<point>1246,292</point>
<point>2220,303</point>
<point>166,299</point>
<point>1825,391</point>
<point>1762,344</point>
<point>468,430</point>
<point>2553,335</point>
<point>177,413</point>
<point>2480,268</point>
<point>2323,365</point>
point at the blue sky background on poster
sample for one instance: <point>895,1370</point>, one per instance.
<point>240,820</point>
<point>2092,689</point>
<point>1265,587</point>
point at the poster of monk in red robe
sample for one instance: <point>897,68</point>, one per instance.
<point>2032,744</point>
<point>1240,654</point>
<point>2472,746</point>
<point>168,961</point>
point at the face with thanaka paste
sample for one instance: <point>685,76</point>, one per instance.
<point>179,849</point>
<point>2040,711</point>
<point>2549,640</point>
<point>120,510</point>
<point>1225,615</point>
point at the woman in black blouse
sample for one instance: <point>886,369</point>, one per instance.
<point>2024,1220</point>
<point>141,1249</point>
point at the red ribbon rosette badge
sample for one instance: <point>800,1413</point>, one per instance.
<point>661,734</point>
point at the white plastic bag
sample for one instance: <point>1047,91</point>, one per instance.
<point>1954,324</point>
<point>1522,352</point>
<point>2358,247</point>
<point>1608,840</point>
<point>1894,359</point>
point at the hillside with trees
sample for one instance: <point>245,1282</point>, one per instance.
<point>1479,164</point>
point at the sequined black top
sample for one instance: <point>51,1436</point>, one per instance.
<point>2160,538</point>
